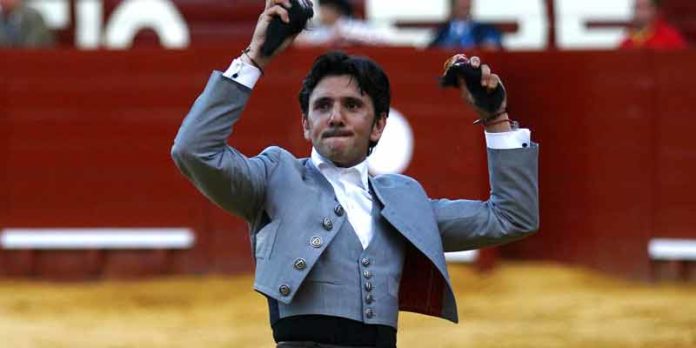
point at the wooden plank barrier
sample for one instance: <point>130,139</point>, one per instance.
<point>85,139</point>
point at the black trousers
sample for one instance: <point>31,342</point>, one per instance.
<point>322,331</point>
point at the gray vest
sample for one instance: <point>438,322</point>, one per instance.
<point>353,283</point>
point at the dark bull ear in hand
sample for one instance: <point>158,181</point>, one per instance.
<point>458,66</point>
<point>300,12</point>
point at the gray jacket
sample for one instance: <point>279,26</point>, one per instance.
<point>271,191</point>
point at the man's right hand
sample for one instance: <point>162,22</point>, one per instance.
<point>274,8</point>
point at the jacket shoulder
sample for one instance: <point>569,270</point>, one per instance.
<point>396,180</point>
<point>280,157</point>
<point>278,153</point>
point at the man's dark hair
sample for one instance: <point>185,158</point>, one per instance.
<point>370,77</point>
<point>343,6</point>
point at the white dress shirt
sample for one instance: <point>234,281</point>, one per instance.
<point>352,191</point>
<point>350,184</point>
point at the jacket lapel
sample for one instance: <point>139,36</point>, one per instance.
<point>313,178</point>
<point>403,208</point>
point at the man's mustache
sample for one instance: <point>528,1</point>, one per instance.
<point>336,132</point>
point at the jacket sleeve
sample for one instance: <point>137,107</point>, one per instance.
<point>510,213</point>
<point>224,175</point>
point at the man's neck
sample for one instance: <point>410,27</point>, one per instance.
<point>325,165</point>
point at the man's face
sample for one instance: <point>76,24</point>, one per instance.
<point>340,121</point>
<point>645,13</point>
<point>462,9</point>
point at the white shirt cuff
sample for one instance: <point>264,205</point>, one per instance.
<point>516,139</point>
<point>243,73</point>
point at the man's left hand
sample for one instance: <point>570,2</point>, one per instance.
<point>489,81</point>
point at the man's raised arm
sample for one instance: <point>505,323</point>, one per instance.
<point>512,211</point>
<point>224,175</point>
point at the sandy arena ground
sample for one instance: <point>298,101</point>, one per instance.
<point>520,305</point>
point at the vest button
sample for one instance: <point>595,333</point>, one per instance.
<point>300,264</point>
<point>339,210</point>
<point>368,286</point>
<point>328,225</point>
<point>316,242</point>
<point>369,313</point>
<point>367,274</point>
<point>284,290</point>
<point>369,298</point>
<point>365,261</point>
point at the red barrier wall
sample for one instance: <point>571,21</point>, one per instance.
<point>86,138</point>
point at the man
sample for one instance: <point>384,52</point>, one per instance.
<point>338,253</point>
<point>650,30</point>
<point>22,26</point>
<point>463,32</point>
<point>338,28</point>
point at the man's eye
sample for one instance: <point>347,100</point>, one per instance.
<point>352,105</point>
<point>322,106</point>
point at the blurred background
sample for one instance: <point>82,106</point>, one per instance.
<point>92,93</point>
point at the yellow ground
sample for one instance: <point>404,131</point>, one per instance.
<point>520,305</point>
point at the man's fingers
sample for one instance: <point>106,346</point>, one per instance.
<point>485,75</point>
<point>284,3</point>
<point>486,81</point>
<point>475,61</point>
<point>494,82</point>
<point>278,11</point>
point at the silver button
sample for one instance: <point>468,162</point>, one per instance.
<point>369,298</point>
<point>365,261</point>
<point>284,290</point>
<point>339,210</point>
<point>316,242</point>
<point>367,274</point>
<point>368,286</point>
<point>369,313</point>
<point>328,225</point>
<point>300,264</point>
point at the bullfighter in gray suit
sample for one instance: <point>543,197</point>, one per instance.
<point>339,252</point>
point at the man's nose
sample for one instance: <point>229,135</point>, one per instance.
<point>336,117</point>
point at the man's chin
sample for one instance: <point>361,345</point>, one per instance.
<point>336,155</point>
<point>337,145</point>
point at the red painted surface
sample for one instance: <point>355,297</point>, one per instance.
<point>85,142</point>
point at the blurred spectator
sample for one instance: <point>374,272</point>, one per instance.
<point>463,32</point>
<point>338,28</point>
<point>22,26</point>
<point>650,30</point>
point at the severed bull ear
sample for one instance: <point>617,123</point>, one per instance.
<point>459,67</point>
<point>278,31</point>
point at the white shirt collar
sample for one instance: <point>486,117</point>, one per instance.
<point>356,174</point>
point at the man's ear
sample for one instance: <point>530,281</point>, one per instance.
<point>378,127</point>
<point>305,128</point>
